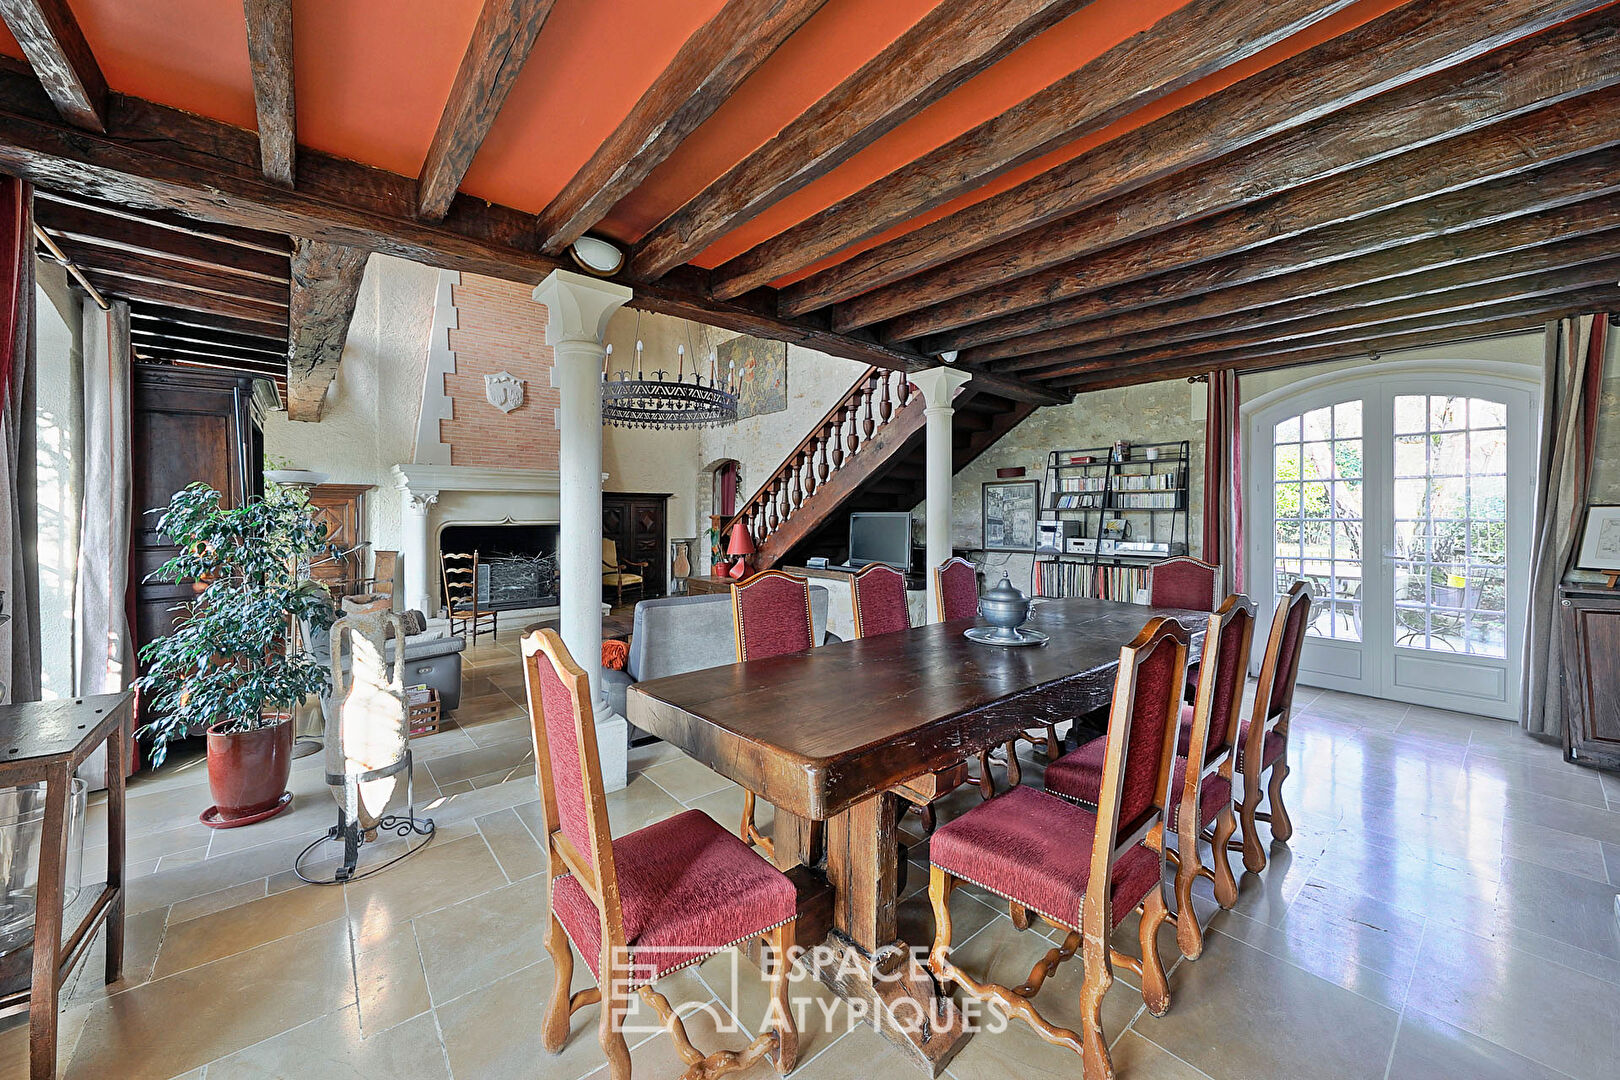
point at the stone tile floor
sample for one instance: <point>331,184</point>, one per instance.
<point>1446,909</point>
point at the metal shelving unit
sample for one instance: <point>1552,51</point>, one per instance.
<point>1148,494</point>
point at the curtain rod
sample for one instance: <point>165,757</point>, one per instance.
<point>78,275</point>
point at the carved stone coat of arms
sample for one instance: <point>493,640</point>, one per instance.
<point>504,390</point>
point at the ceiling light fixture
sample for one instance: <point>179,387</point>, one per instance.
<point>596,256</point>
<point>631,399</point>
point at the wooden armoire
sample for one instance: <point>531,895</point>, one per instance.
<point>186,425</point>
<point>638,522</point>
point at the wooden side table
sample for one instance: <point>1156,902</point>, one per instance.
<point>46,741</point>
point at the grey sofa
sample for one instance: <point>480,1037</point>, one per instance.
<point>686,633</point>
<point>431,659</point>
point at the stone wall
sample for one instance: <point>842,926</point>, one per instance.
<point>1155,412</point>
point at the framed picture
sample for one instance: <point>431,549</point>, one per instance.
<point>1011,508</point>
<point>1600,543</point>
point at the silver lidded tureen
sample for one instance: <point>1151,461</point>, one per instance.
<point>1005,609</point>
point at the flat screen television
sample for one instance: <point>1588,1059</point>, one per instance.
<point>880,537</point>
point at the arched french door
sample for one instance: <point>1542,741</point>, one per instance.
<point>1402,498</point>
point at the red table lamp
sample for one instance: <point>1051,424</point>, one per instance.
<point>741,546</point>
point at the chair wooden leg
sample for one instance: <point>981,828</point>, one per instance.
<point>1054,748</point>
<point>940,885</point>
<point>1254,856</point>
<point>1098,977</point>
<point>1189,935</point>
<point>615,1002</point>
<point>555,1032</point>
<point>1155,986</point>
<point>1281,828</point>
<point>1226,890</point>
<point>1019,914</point>
<point>781,1021</point>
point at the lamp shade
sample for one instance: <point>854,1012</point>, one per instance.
<point>741,542</point>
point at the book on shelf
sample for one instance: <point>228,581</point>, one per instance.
<point>1130,501</point>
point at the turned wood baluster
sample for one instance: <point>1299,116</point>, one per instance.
<point>867,426</point>
<point>836,431</point>
<point>811,463</point>
<point>885,409</point>
<point>905,390</point>
<point>821,459</point>
<point>853,439</point>
<point>796,480</point>
<point>784,497</point>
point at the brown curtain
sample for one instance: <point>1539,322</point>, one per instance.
<point>19,511</point>
<point>1573,366</point>
<point>1223,480</point>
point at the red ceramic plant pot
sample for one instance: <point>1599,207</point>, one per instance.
<point>247,773</point>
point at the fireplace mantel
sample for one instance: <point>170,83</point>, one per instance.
<point>432,496</point>
<point>432,479</point>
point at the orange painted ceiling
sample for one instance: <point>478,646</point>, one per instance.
<point>372,77</point>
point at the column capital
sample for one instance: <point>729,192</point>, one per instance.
<point>579,306</point>
<point>939,385</point>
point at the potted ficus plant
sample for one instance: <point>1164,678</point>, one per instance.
<point>226,668</point>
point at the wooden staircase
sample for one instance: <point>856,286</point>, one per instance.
<point>868,453</point>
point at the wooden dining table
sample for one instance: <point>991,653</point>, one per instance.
<point>827,736</point>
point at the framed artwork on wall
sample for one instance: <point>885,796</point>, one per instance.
<point>1600,543</point>
<point>1010,511</point>
<point>761,373</point>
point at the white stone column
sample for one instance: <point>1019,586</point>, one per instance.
<point>578,308</point>
<point>938,387</point>
<point>414,549</point>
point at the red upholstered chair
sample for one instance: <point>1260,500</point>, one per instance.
<point>1184,582</point>
<point>1201,789</point>
<point>1262,741</point>
<point>877,596</point>
<point>956,589</point>
<point>770,615</point>
<point>645,904</point>
<point>1080,871</point>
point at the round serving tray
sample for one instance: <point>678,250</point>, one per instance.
<point>989,635</point>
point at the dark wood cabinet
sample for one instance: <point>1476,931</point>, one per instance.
<point>1592,675</point>
<point>186,426</point>
<point>637,522</point>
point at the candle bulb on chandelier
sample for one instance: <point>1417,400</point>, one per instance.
<point>638,359</point>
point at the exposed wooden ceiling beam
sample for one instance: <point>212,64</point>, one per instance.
<point>1181,48</point>
<point>270,52</point>
<point>163,293</point>
<point>278,378</point>
<point>1288,325</point>
<point>1568,201</point>
<point>1362,350</point>
<point>1171,299</point>
<point>85,226</point>
<point>912,73</point>
<point>1192,320</point>
<point>180,275</point>
<point>1440,175</point>
<point>188,343</point>
<point>712,63</point>
<point>325,285</point>
<point>51,39</point>
<point>209,170</point>
<point>1378,68</point>
<point>145,324</point>
<point>188,320</point>
<point>237,236</point>
<point>1362,338</point>
<point>1350,152</point>
<point>269,365</point>
<point>500,44</point>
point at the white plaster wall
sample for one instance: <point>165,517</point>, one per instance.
<point>371,409</point>
<point>656,459</point>
<point>1516,349</point>
<point>60,440</point>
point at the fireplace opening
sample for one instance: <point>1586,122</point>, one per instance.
<point>517,563</point>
